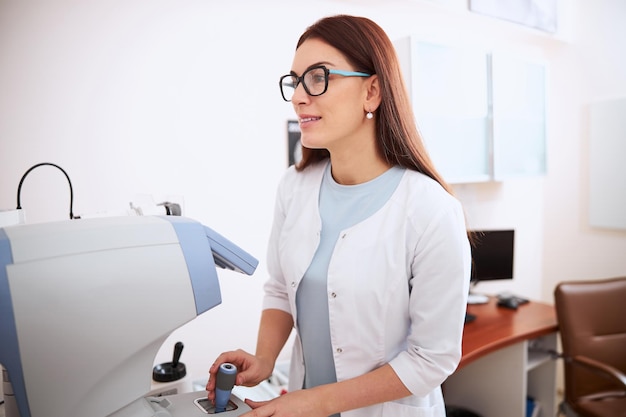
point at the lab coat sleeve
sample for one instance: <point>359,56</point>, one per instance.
<point>275,287</point>
<point>438,297</point>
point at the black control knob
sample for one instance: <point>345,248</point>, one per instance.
<point>171,371</point>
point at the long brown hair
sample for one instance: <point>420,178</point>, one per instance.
<point>366,46</point>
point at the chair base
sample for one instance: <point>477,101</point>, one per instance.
<point>566,411</point>
<point>608,408</point>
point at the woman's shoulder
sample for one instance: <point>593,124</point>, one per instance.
<point>422,190</point>
<point>416,179</point>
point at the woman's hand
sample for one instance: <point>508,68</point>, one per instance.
<point>301,403</point>
<point>377,386</point>
<point>250,370</point>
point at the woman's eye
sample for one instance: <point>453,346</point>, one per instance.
<point>317,78</point>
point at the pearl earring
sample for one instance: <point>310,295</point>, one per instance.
<point>369,115</point>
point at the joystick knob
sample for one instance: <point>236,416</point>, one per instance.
<point>171,371</point>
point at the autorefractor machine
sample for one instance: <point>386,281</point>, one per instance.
<point>86,304</point>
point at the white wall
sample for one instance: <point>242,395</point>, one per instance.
<point>592,67</point>
<point>168,97</point>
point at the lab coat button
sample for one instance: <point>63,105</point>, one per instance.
<point>339,350</point>
<point>293,284</point>
<point>333,294</point>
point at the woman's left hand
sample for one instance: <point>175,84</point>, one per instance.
<point>301,403</point>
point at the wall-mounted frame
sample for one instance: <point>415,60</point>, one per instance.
<point>452,105</point>
<point>539,14</point>
<point>607,171</point>
<point>481,114</point>
<point>294,147</point>
<point>519,116</point>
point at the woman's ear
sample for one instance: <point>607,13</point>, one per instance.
<point>374,97</point>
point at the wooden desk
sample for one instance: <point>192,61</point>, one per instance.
<point>504,361</point>
<point>496,327</point>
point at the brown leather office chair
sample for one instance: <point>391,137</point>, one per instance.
<point>592,325</point>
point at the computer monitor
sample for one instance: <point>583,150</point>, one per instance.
<point>492,258</point>
<point>492,255</point>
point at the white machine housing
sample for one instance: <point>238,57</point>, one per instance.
<point>86,304</point>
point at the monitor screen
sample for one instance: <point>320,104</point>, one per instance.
<point>492,255</point>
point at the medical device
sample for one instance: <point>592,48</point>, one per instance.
<point>85,305</point>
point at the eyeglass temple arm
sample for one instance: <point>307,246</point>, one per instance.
<point>348,73</point>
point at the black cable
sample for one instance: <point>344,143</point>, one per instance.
<point>19,187</point>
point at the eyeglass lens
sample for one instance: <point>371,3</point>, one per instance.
<point>314,80</point>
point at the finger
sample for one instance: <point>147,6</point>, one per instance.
<point>241,379</point>
<point>210,385</point>
<point>255,404</point>
<point>210,394</point>
<point>224,357</point>
<point>235,357</point>
<point>216,365</point>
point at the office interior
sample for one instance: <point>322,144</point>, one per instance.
<point>179,100</point>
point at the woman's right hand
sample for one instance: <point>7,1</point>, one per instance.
<point>250,370</point>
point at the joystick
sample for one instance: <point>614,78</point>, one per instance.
<point>171,371</point>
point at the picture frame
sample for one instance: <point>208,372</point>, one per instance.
<point>538,14</point>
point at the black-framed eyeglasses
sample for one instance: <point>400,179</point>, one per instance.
<point>314,80</point>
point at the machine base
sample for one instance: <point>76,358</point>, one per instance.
<point>190,404</point>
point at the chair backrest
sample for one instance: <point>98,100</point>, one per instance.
<point>592,322</point>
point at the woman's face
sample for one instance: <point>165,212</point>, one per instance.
<point>336,119</point>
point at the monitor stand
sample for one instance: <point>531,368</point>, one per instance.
<point>477,299</point>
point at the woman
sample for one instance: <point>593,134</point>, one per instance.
<point>368,257</point>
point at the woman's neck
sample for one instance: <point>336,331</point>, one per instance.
<point>352,169</point>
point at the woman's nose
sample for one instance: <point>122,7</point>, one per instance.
<point>299,94</point>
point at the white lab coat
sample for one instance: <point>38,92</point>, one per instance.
<point>397,285</point>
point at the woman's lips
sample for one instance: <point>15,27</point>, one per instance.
<point>307,120</point>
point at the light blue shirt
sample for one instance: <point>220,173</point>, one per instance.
<point>341,206</point>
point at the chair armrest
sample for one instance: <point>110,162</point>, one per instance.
<point>601,368</point>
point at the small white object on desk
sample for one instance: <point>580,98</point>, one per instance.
<point>477,299</point>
